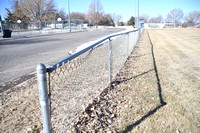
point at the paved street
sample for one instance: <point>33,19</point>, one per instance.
<point>20,57</point>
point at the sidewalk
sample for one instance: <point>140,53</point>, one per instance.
<point>28,34</point>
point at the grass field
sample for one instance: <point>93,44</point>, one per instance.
<point>163,83</point>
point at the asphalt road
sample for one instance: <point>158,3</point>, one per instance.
<point>20,57</point>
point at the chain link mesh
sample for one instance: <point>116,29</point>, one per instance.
<point>73,85</point>
<point>118,54</point>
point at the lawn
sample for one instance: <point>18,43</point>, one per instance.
<point>162,79</point>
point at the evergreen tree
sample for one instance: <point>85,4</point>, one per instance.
<point>10,17</point>
<point>131,21</point>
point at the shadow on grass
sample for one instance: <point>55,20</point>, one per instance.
<point>117,82</point>
<point>162,102</point>
<point>140,55</point>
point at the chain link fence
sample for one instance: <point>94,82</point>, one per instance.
<point>67,87</point>
<point>44,27</point>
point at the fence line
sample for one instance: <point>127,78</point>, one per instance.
<point>67,87</point>
<point>43,27</point>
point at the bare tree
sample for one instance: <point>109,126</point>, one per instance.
<point>153,20</point>
<point>116,18</point>
<point>193,18</point>
<point>55,15</point>
<point>95,12</point>
<point>38,10</point>
<point>158,19</point>
<point>145,17</point>
<point>79,15</point>
<point>18,13</point>
<point>107,20</point>
<point>175,16</point>
<point>62,14</point>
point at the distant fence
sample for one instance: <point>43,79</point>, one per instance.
<point>160,25</point>
<point>67,87</point>
<point>32,28</point>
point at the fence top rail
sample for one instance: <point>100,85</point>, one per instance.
<point>60,63</point>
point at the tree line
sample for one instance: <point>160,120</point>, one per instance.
<point>46,10</point>
<point>175,16</point>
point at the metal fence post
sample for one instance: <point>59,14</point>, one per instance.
<point>30,27</point>
<point>40,24</point>
<point>127,45</point>
<point>137,36</point>
<point>109,61</point>
<point>43,94</point>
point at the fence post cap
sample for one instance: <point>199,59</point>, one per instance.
<point>41,68</point>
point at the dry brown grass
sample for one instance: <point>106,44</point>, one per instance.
<point>20,109</point>
<point>177,54</point>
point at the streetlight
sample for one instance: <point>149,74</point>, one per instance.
<point>59,20</point>
<point>19,22</point>
<point>69,17</point>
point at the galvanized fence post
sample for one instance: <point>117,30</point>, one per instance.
<point>30,27</point>
<point>43,94</point>
<point>109,61</point>
<point>127,45</point>
<point>40,26</point>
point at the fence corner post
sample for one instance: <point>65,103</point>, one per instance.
<point>44,100</point>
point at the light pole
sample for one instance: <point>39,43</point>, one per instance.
<point>69,17</point>
<point>59,20</point>
<point>138,22</point>
<point>19,22</point>
<point>137,18</point>
<point>1,26</point>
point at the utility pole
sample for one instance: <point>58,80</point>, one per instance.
<point>138,22</point>
<point>1,25</point>
<point>69,19</point>
<point>137,18</point>
<point>135,15</point>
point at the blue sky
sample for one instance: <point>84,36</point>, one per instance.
<point>126,8</point>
